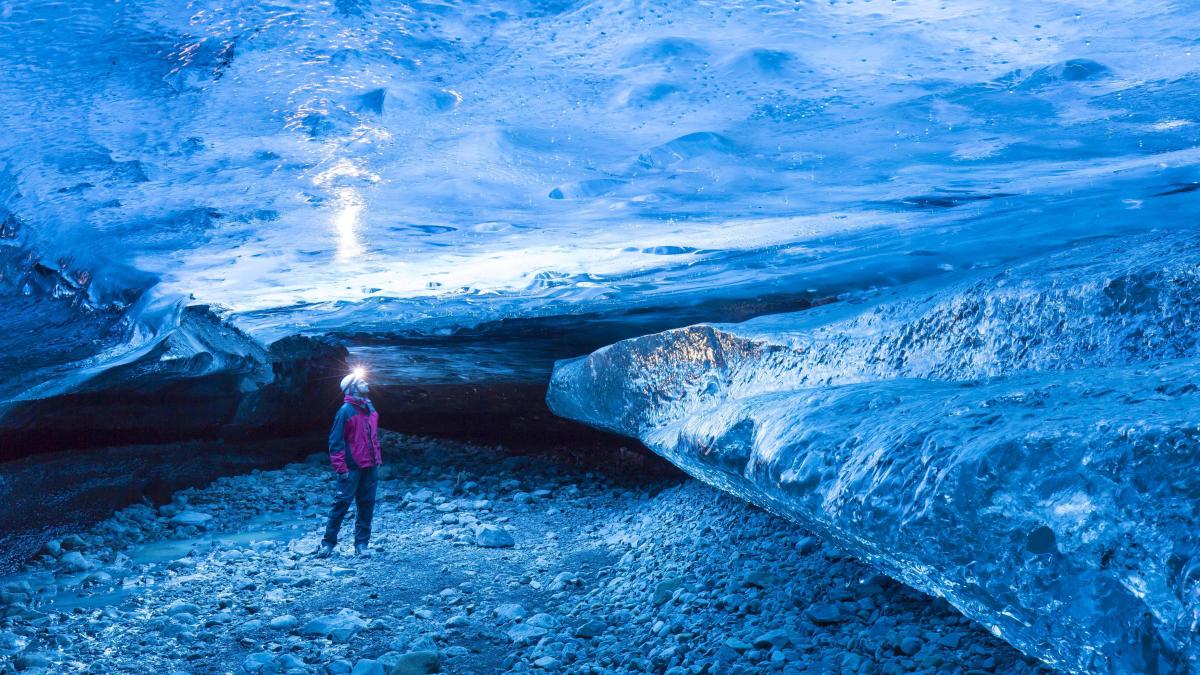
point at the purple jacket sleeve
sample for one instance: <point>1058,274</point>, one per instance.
<point>337,441</point>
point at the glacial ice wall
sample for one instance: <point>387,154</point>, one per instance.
<point>1024,443</point>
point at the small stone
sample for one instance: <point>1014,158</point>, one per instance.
<point>420,496</point>
<point>412,663</point>
<point>950,640</point>
<point>910,645</point>
<point>75,562</point>
<point>182,565</point>
<point>190,519</point>
<point>546,663</point>
<point>825,614</point>
<point>422,644</point>
<point>219,618</point>
<point>562,580</point>
<point>72,542</point>
<point>182,608</point>
<point>368,667</point>
<point>288,661</point>
<point>737,645</point>
<point>11,643</point>
<point>509,611</point>
<point>490,536</point>
<point>338,627</point>
<point>590,629</point>
<point>457,621</point>
<point>100,578</point>
<point>758,579</point>
<point>256,662</point>
<point>807,545</point>
<point>542,620</point>
<point>284,622</point>
<point>663,590</point>
<point>523,633</point>
<point>778,638</point>
<point>29,661</point>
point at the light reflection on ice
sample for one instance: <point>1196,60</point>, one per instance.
<point>347,224</point>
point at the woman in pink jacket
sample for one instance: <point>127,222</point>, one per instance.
<point>355,455</point>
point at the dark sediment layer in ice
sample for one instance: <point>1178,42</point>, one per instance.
<point>1023,443</point>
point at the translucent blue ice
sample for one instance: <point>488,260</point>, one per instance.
<point>383,166</point>
<point>1023,443</point>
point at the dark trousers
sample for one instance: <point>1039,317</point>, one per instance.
<point>358,485</point>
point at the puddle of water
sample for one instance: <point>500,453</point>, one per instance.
<point>66,592</point>
<point>173,549</point>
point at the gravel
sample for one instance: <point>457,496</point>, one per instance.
<point>482,562</point>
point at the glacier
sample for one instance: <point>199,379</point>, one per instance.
<point>1022,443</point>
<point>919,275</point>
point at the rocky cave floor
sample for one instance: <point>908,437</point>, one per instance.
<point>606,574</point>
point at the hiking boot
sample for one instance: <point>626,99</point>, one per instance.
<point>361,550</point>
<point>325,550</point>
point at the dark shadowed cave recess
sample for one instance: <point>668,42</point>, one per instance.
<point>142,435</point>
<point>156,426</point>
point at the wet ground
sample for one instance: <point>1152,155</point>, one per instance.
<point>605,573</point>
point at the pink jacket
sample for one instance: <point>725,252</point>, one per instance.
<point>354,440</point>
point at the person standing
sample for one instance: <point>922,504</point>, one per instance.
<point>355,454</point>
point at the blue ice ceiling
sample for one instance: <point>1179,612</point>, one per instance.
<point>452,162</point>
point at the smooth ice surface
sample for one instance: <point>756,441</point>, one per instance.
<point>1023,442</point>
<point>380,167</point>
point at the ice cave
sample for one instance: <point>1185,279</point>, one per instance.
<point>600,336</point>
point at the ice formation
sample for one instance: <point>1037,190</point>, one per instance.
<point>368,167</point>
<point>1023,443</point>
